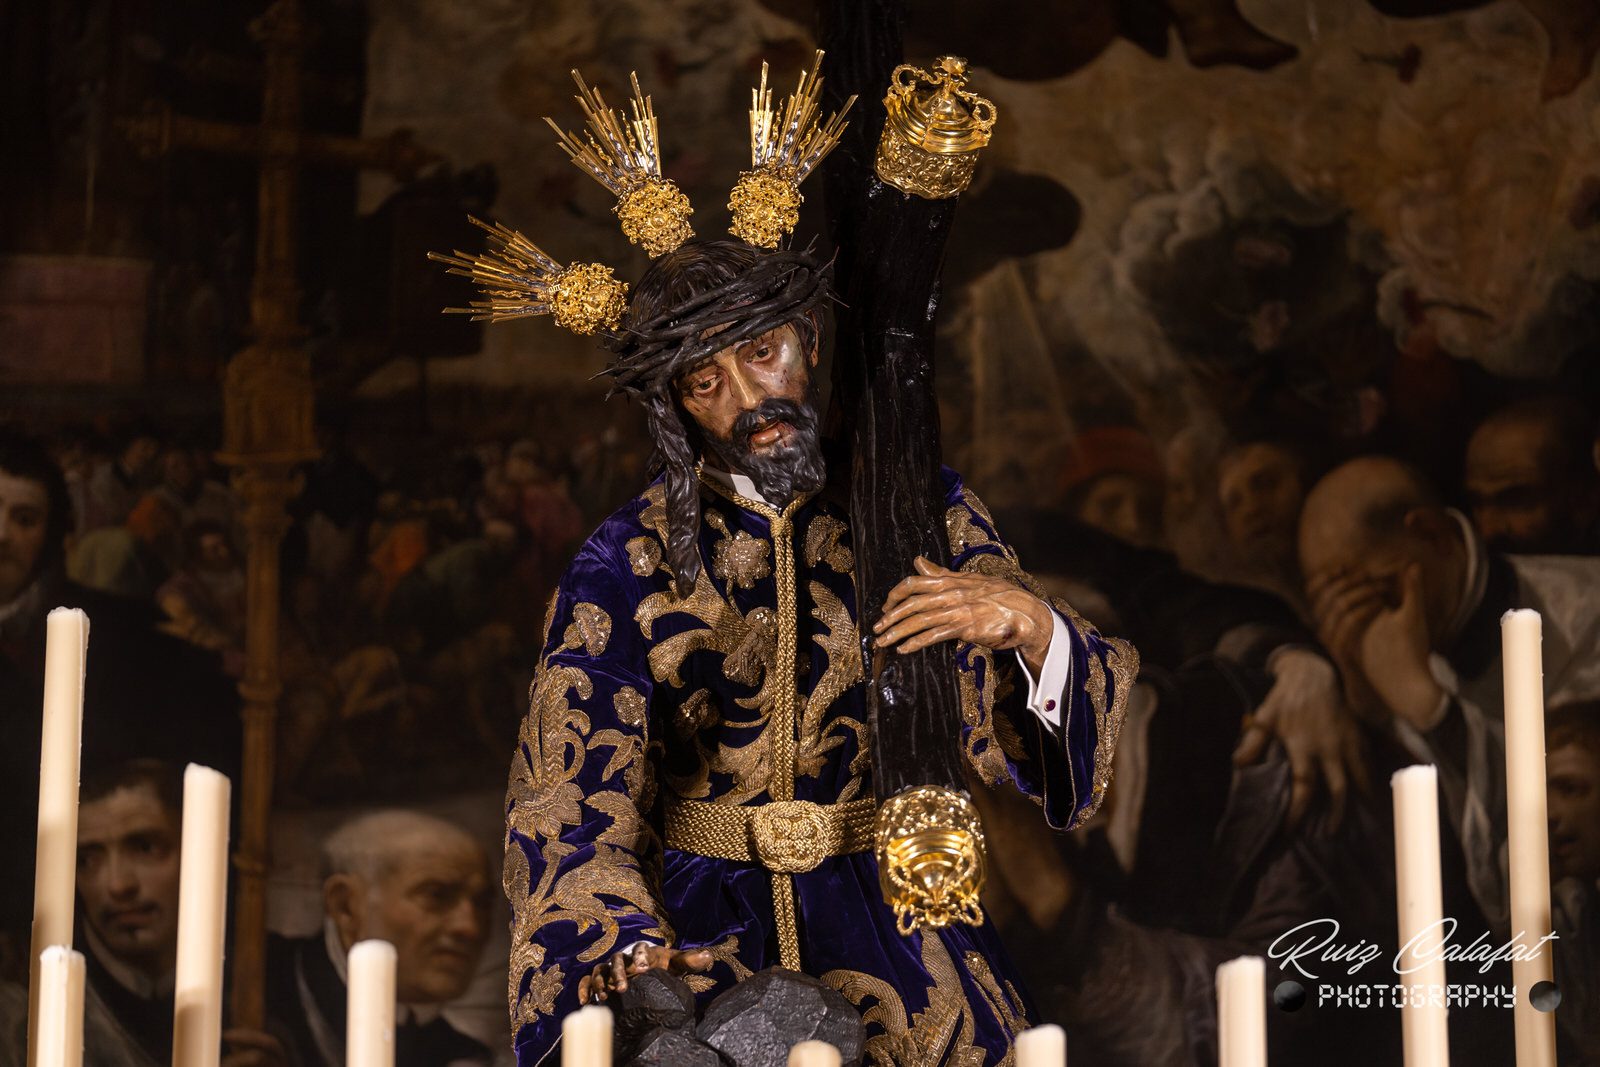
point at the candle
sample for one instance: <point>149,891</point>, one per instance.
<point>813,1054</point>
<point>202,917</point>
<point>1527,829</point>
<point>56,857</point>
<point>60,1015</point>
<point>586,1038</point>
<point>369,1027</point>
<point>1416,858</point>
<point>1042,1046</point>
<point>1242,1013</point>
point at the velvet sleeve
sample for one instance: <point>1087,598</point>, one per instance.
<point>582,866</point>
<point>1065,770</point>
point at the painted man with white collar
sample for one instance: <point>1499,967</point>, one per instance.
<point>417,882</point>
<point>1408,600</point>
<point>129,819</point>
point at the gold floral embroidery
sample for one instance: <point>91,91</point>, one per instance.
<point>1006,1004</point>
<point>748,644</point>
<point>696,784</point>
<point>842,645</point>
<point>644,555</point>
<point>625,751</point>
<point>962,532</point>
<point>749,767</point>
<point>543,988</point>
<point>543,799</point>
<point>653,516</point>
<point>921,1039</point>
<point>727,952</point>
<point>741,559</point>
<point>822,545</point>
<point>723,627</point>
<point>982,747</point>
<point>1120,659</point>
<point>630,706</point>
<point>695,714</point>
<point>978,506</point>
<point>590,629</point>
<point>993,564</point>
<point>756,650</point>
<point>999,565</point>
<point>549,623</point>
<point>526,954</point>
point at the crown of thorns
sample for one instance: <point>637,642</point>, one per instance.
<point>518,279</point>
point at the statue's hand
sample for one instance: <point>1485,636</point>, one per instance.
<point>939,604</point>
<point>611,974</point>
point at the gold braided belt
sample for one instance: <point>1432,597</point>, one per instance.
<point>784,836</point>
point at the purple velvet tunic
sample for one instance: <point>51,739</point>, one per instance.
<point>639,693</point>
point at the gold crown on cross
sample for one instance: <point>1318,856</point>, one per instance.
<point>622,152</point>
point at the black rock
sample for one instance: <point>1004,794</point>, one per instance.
<point>672,1048</point>
<point>755,1023</point>
<point>653,1001</point>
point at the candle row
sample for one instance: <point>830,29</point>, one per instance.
<point>1241,993</point>
<point>55,1021</point>
<point>586,1037</point>
<point>56,991</point>
<point>369,1035</point>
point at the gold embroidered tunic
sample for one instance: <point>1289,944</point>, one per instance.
<point>749,691</point>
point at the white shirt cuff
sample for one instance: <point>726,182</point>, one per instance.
<point>1046,692</point>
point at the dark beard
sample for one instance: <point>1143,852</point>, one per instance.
<point>796,467</point>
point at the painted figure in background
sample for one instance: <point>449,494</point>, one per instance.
<point>187,711</point>
<point>129,829</point>
<point>692,788</point>
<point>411,879</point>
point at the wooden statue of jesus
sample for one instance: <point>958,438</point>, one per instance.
<point>697,780</point>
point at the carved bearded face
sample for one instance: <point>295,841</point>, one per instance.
<point>755,405</point>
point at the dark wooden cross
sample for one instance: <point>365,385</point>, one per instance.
<point>267,421</point>
<point>890,253</point>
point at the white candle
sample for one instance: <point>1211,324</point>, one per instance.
<point>1242,1013</point>
<point>1527,828</point>
<point>1425,1037</point>
<point>586,1038</point>
<point>202,917</point>
<point>813,1054</point>
<point>1042,1046</point>
<point>61,734</point>
<point>369,1025</point>
<point>60,1033</point>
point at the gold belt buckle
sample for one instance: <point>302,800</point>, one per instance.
<point>791,836</point>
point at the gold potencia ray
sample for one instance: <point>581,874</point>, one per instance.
<point>623,154</point>
<point>785,147</point>
<point>625,157</point>
<point>520,280</point>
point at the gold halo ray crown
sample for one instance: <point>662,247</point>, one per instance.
<point>625,157</point>
<point>520,280</point>
<point>623,154</point>
<point>785,146</point>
